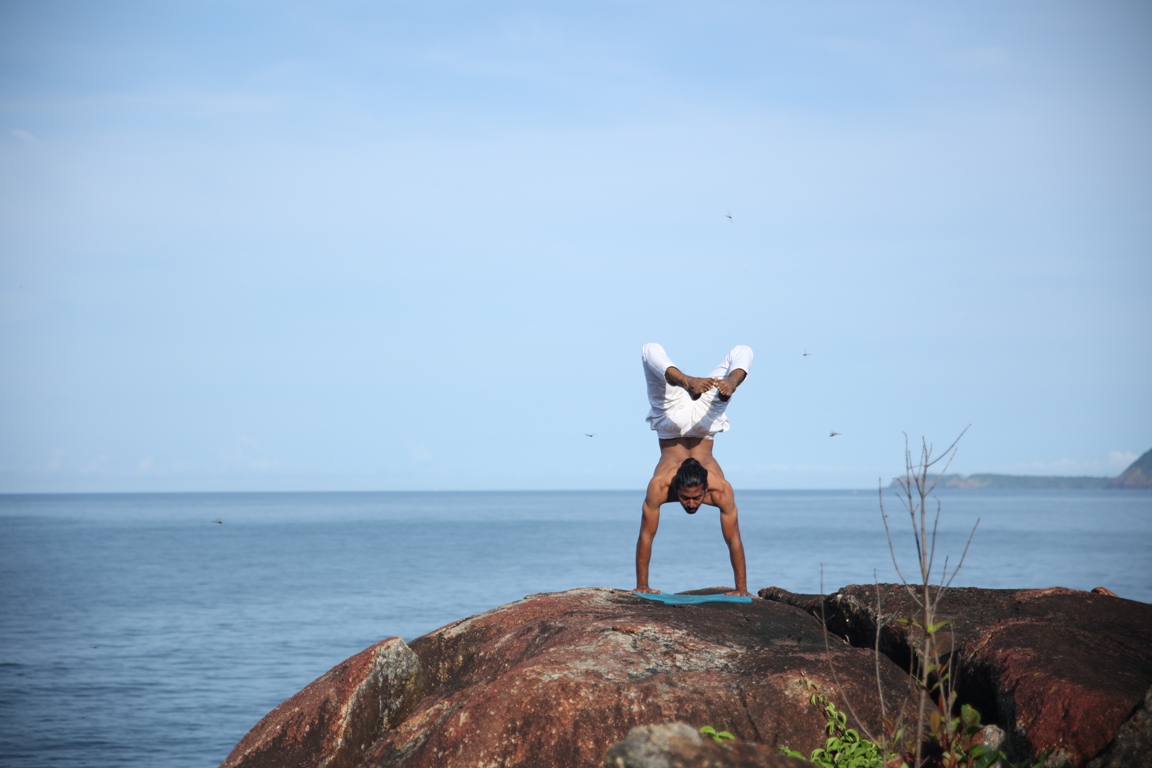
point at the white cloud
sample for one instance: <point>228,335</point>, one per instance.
<point>1114,464</point>
<point>54,461</point>
<point>101,464</point>
<point>199,103</point>
<point>419,452</point>
<point>1121,460</point>
<point>24,136</point>
<point>798,468</point>
<point>247,455</point>
<point>145,464</point>
<point>980,59</point>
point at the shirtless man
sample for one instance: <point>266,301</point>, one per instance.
<point>686,413</point>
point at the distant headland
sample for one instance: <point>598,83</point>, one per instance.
<point>1138,475</point>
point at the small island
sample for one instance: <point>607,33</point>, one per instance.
<point>1138,475</point>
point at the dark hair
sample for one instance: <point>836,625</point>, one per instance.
<point>691,473</point>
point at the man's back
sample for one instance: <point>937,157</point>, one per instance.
<point>674,451</point>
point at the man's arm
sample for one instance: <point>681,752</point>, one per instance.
<point>649,522</point>
<point>730,527</point>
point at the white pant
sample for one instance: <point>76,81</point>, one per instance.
<point>674,413</point>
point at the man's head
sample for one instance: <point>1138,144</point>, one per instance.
<point>691,484</point>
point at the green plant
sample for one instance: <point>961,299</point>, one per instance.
<point>844,747</point>
<point>931,662</point>
<point>935,735</point>
<point>954,741</point>
<point>716,736</point>
<point>958,741</point>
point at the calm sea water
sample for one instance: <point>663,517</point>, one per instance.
<point>136,632</point>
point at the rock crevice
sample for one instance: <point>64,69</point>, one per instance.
<point>1059,670</point>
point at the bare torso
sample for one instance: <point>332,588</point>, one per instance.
<point>718,493</point>
<point>672,455</point>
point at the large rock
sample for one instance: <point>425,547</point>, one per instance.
<point>1060,670</point>
<point>556,679</point>
<point>679,745</point>
<point>333,721</point>
<point>1132,747</point>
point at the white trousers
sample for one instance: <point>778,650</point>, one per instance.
<point>674,413</point>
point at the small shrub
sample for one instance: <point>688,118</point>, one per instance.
<point>716,736</point>
<point>959,741</point>
<point>845,747</point>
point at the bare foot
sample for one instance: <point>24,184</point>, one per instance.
<point>697,387</point>
<point>693,384</point>
<point>739,593</point>
<point>728,386</point>
<point>647,590</point>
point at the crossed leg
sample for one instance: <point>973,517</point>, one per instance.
<point>725,377</point>
<point>731,373</point>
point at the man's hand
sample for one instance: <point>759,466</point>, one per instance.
<point>647,590</point>
<point>740,593</point>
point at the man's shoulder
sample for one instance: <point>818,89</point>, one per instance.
<point>720,492</point>
<point>661,483</point>
<point>719,483</point>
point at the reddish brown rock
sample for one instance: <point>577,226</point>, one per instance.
<point>1060,670</point>
<point>557,679</point>
<point>332,722</point>
<point>1132,747</point>
<point>554,680</point>
<point>679,745</point>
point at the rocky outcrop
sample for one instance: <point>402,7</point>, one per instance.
<point>557,679</point>
<point>1061,671</point>
<point>554,680</point>
<point>679,745</point>
<point>1132,747</point>
<point>1138,475</point>
<point>333,721</point>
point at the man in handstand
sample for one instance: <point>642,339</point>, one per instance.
<point>686,413</point>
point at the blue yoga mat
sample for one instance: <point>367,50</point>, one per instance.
<point>694,599</point>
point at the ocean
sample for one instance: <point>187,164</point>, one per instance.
<point>137,631</point>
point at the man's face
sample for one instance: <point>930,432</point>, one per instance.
<point>691,497</point>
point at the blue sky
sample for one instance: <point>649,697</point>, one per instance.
<point>352,245</point>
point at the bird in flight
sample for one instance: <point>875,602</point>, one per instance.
<point>218,521</point>
<point>833,434</point>
<point>589,434</point>
<point>806,353</point>
<point>729,215</point>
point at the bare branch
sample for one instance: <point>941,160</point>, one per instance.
<point>933,679</point>
<point>891,546</point>
<point>832,667</point>
<point>949,448</point>
<point>879,615</point>
<point>935,525</point>
<point>964,554</point>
